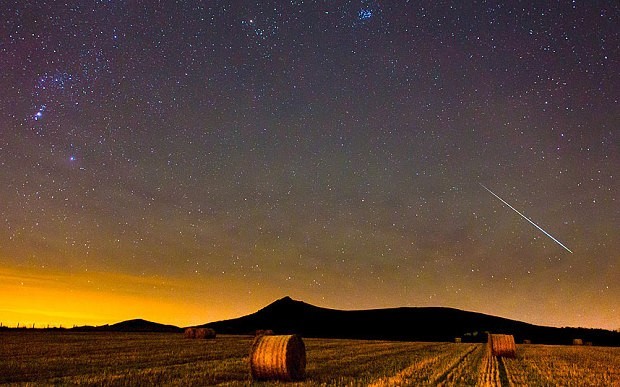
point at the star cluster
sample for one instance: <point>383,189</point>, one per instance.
<point>235,152</point>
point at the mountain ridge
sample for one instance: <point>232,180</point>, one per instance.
<point>286,316</point>
<point>134,325</point>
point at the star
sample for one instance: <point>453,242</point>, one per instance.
<point>351,133</point>
<point>39,114</point>
<point>364,14</point>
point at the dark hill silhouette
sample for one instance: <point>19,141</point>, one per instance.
<point>140,325</point>
<point>408,323</point>
<point>136,325</point>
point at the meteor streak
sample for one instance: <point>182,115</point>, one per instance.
<point>526,218</point>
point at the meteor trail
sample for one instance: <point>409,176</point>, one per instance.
<point>526,218</point>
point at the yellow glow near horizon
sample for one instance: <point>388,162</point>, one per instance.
<point>65,299</point>
<point>44,297</point>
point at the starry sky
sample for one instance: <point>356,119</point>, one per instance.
<point>190,161</point>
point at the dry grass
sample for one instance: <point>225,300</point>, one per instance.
<point>437,365</point>
<point>138,359</point>
<point>561,365</point>
<point>489,372</point>
<point>278,358</point>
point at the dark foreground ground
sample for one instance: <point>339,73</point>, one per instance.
<point>167,358</point>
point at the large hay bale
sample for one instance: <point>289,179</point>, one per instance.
<point>204,333</point>
<point>502,345</point>
<point>527,341</point>
<point>458,340</point>
<point>190,333</point>
<point>278,358</point>
<point>577,342</point>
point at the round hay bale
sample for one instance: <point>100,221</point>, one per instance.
<point>204,333</point>
<point>190,333</point>
<point>458,340</point>
<point>577,342</point>
<point>278,358</point>
<point>502,345</point>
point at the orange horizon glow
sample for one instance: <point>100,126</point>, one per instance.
<point>186,172</point>
<point>45,298</point>
<point>57,299</point>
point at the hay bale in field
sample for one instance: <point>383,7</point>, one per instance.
<point>526,341</point>
<point>190,333</point>
<point>577,342</point>
<point>588,343</point>
<point>263,332</point>
<point>458,340</point>
<point>502,345</point>
<point>278,358</point>
<point>199,333</point>
<point>204,333</point>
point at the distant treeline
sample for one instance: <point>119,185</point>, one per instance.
<point>31,328</point>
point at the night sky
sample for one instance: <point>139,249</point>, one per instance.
<point>191,161</point>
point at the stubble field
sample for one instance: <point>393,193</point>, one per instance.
<point>69,358</point>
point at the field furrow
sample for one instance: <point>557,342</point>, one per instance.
<point>431,369</point>
<point>459,372</point>
<point>489,371</point>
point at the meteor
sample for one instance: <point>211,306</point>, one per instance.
<point>526,218</point>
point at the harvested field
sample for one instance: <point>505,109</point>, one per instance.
<point>166,358</point>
